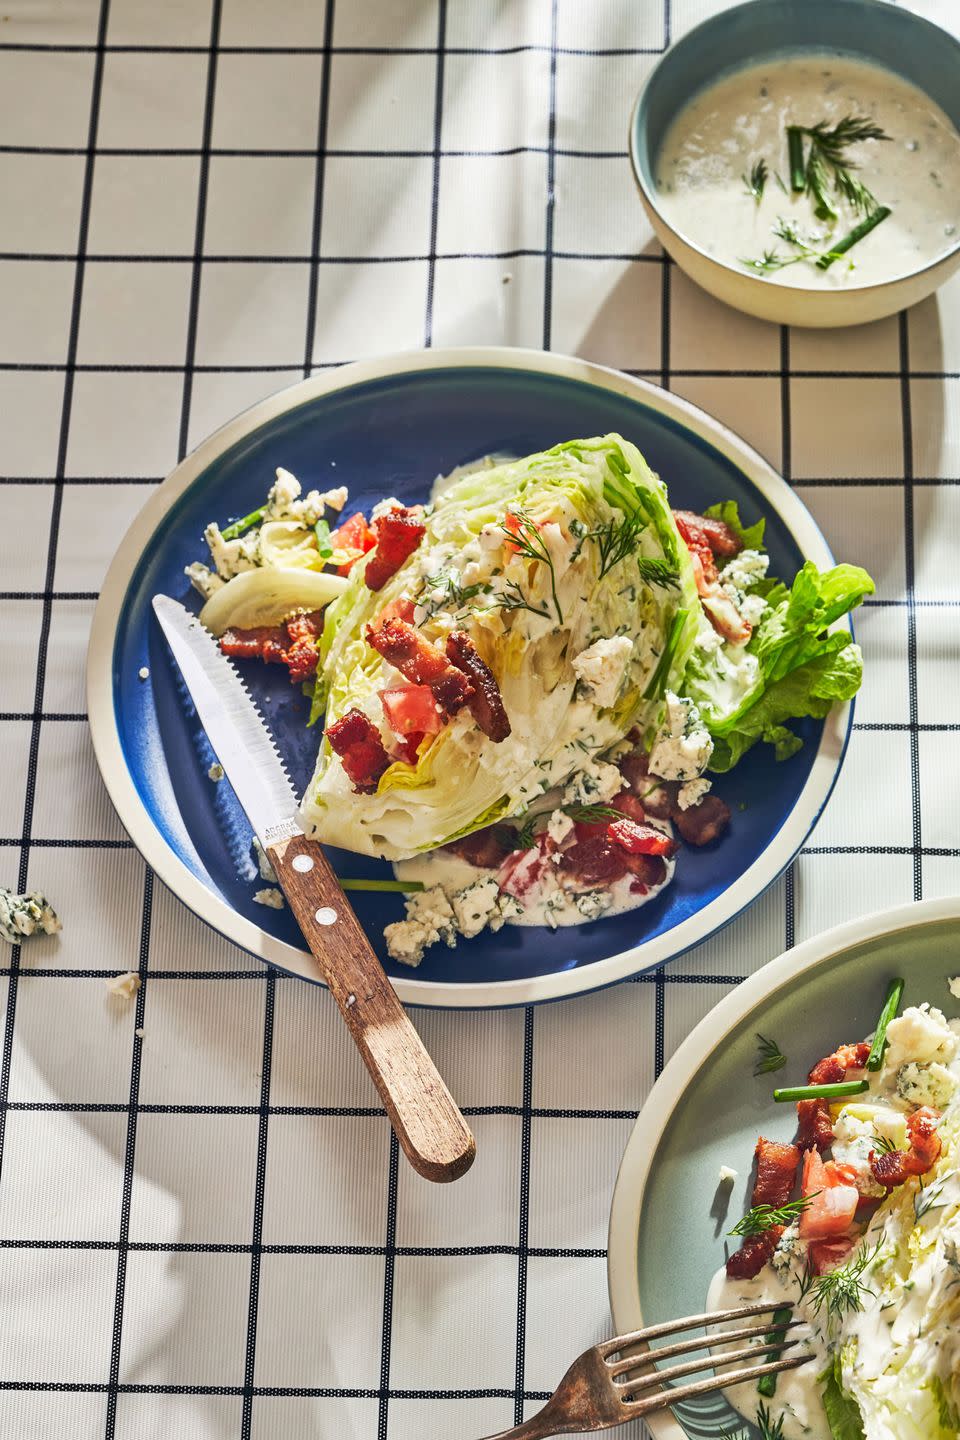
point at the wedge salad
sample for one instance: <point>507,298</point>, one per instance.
<point>856,1225</point>
<point>527,683</point>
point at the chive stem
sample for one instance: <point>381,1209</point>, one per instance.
<point>890,1007</point>
<point>852,237</point>
<point>767,1384</point>
<point>798,174</point>
<point>403,887</point>
<point>821,1092</point>
<point>658,680</point>
<point>238,526</point>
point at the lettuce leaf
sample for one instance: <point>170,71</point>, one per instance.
<point>842,1411</point>
<point>795,665</point>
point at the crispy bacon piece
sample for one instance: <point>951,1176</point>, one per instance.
<point>398,533</point>
<point>264,642</point>
<point>486,702</point>
<point>755,1252</point>
<point>702,822</point>
<point>704,532</point>
<point>815,1128</point>
<point>813,1116</point>
<point>420,662</point>
<point>487,848</point>
<point>301,657</point>
<point>776,1172</point>
<point>776,1175</point>
<point>293,644</point>
<point>896,1166</point>
<point>356,739</point>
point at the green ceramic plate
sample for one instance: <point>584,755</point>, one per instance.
<point>667,1227</point>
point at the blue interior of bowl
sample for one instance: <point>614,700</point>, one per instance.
<point>393,436</point>
<point>872,30</point>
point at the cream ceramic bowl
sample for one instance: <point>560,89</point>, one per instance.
<point>872,30</point>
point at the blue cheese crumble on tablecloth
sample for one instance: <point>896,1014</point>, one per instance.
<point>21,916</point>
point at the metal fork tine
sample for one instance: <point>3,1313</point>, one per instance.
<point>698,1342</point>
<point>671,1327</point>
<point>634,1408</point>
<point>631,1387</point>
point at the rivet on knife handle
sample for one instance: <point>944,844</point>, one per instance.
<point>432,1133</point>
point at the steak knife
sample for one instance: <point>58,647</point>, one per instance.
<point>430,1128</point>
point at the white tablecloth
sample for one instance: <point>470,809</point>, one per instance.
<point>204,1233</point>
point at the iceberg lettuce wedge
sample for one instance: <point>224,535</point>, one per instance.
<point>614,566</point>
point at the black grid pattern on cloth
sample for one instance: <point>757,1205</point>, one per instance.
<point>265,1111</point>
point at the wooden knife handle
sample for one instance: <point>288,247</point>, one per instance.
<point>432,1133</point>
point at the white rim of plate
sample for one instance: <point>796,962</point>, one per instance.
<point>638,1157</point>
<point>528,990</point>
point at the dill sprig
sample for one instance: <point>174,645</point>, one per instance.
<point>770,1057</point>
<point>756,180</point>
<point>764,1217</point>
<point>448,591</point>
<point>769,1428</point>
<point>528,542</point>
<point>617,540</point>
<point>885,1145</point>
<point>930,1197</point>
<point>828,161</point>
<point>511,597</point>
<point>841,1291</point>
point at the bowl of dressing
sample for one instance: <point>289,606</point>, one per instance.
<point>800,159</point>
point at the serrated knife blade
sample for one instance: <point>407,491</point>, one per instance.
<point>235,728</point>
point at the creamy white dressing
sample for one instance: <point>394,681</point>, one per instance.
<point>548,902</point>
<point>719,136</point>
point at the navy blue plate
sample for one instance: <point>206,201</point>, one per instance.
<point>392,433</point>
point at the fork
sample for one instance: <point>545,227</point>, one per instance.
<point>600,1391</point>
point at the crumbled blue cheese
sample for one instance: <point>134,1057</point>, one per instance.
<point>123,986</point>
<point>143,673</point>
<point>930,1084</point>
<point>790,1250</point>
<point>559,826</point>
<point>284,502</point>
<point>954,984</point>
<point>23,915</point>
<point>593,903</point>
<point>743,571</point>
<point>215,773</point>
<point>727,1175</point>
<point>692,793</point>
<point>232,557</point>
<point>594,783</point>
<point>475,905</point>
<point>203,579</point>
<point>682,748</point>
<point>273,899</point>
<point>602,666</point>
<point>267,871</point>
<point>854,1139</point>
<point>430,919</point>
<point>922,1034</point>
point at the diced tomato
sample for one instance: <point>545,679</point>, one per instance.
<point>399,609</point>
<point>411,709</point>
<point>410,746</point>
<point>826,1255</point>
<point>832,1199</point>
<point>640,839</point>
<point>354,536</point>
